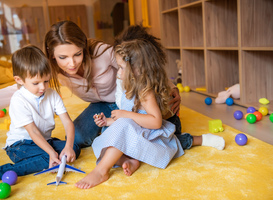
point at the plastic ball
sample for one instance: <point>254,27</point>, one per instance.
<point>9,177</point>
<point>258,115</point>
<point>5,190</point>
<point>263,110</point>
<point>187,89</point>
<point>241,139</point>
<point>250,110</point>
<point>2,113</point>
<point>247,115</point>
<point>180,87</point>
<point>238,114</point>
<point>229,101</point>
<point>251,118</point>
<point>271,117</point>
<point>5,110</point>
<point>208,100</point>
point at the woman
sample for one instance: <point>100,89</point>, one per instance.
<point>88,68</point>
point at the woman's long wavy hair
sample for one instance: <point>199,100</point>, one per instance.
<point>67,32</point>
<point>144,72</point>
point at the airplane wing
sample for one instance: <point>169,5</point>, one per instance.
<point>69,168</point>
<point>52,169</point>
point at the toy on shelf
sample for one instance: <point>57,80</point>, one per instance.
<point>208,100</point>
<point>250,110</point>
<point>187,89</point>
<point>238,114</point>
<point>251,118</point>
<point>215,126</point>
<point>61,168</point>
<point>258,115</point>
<point>263,110</point>
<point>271,117</point>
<point>229,101</point>
<point>264,101</point>
<point>241,139</point>
<point>233,91</point>
<point>5,125</point>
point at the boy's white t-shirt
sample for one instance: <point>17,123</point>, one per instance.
<point>26,108</point>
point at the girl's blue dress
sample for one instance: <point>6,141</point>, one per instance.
<point>156,147</point>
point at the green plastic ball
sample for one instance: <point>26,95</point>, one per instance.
<point>251,118</point>
<point>5,190</point>
<point>271,117</point>
<point>5,110</point>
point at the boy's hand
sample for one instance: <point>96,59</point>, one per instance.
<point>100,120</point>
<point>70,154</point>
<point>54,160</point>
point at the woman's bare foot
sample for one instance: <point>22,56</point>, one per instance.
<point>130,166</point>
<point>92,179</point>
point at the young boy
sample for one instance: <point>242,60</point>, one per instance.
<point>29,144</point>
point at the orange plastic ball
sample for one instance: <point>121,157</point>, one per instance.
<point>246,115</point>
<point>258,115</point>
<point>2,113</point>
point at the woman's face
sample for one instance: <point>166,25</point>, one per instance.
<point>69,57</point>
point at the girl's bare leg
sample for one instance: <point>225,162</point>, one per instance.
<point>101,171</point>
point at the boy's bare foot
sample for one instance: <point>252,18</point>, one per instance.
<point>130,166</point>
<point>92,179</point>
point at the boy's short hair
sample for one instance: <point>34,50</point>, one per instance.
<point>30,61</point>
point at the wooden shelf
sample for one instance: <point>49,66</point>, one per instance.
<point>221,43</point>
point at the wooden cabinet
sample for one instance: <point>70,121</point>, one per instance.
<point>221,43</point>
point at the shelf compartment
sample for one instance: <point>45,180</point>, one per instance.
<point>192,26</point>
<point>170,31</point>
<point>168,4</point>
<point>222,70</point>
<point>221,23</point>
<point>257,82</point>
<point>186,2</point>
<point>256,23</point>
<point>193,70</point>
<point>171,68</point>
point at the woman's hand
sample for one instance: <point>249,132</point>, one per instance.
<point>100,120</point>
<point>175,102</point>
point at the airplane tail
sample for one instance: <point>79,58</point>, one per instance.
<point>54,183</point>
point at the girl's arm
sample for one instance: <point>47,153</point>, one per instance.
<point>151,120</point>
<point>70,136</point>
<point>37,137</point>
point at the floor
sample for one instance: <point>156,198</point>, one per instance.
<point>262,129</point>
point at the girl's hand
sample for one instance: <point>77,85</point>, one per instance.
<point>54,160</point>
<point>175,102</point>
<point>116,114</point>
<point>100,120</point>
<point>70,154</point>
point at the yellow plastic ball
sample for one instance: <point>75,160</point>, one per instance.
<point>187,89</point>
<point>263,110</point>
<point>180,87</point>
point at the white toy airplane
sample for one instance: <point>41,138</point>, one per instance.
<point>60,169</point>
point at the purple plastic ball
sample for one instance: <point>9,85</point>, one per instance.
<point>9,177</point>
<point>241,139</point>
<point>238,114</point>
<point>229,101</point>
<point>250,110</point>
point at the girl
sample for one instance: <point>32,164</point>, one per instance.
<point>137,132</point>
<point>88,68</point>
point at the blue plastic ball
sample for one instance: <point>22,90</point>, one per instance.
<point>250,110</point>
<point>9,177</point>
<point>241,139</point>
<point>238,114</point>
<point>229,101</point>
<point>208,100</point>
